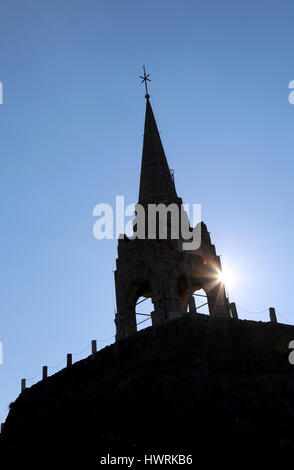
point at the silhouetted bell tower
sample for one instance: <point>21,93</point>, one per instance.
<point>160,269</point>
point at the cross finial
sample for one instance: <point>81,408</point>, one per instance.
<point>145,79</point>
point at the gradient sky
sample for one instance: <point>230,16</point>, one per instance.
<point>71,137</point>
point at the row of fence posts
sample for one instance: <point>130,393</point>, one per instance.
<point>68,364</point>
<point>272,313</point>
<point>45,370</point>
<point>233,309</point>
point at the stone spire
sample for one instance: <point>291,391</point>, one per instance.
<point>156,181</point>
<point>159,268</point>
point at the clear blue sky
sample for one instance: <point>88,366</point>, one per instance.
<point>71,135</point>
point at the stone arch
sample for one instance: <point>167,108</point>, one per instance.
<point>184,293</point>
<point>143,284</point>
<point>214,291</point>
<point>140,287</point>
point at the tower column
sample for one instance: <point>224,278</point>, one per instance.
<point>217,301</point>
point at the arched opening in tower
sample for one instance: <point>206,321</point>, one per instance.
<point>144,306</point>
<point>184,292</point>
<point>200,298</point>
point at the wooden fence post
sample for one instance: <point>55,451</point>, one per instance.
<point>272,314</point>
<point>23,384</point>
<point>45,372</point>
<point>69,360</point>
<point>94,347</point>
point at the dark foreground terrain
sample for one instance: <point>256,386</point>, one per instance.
<point>221,389</point>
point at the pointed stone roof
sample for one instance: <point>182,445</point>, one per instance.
<point>156,181</point>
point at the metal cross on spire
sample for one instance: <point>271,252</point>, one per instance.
<point>145,79</point>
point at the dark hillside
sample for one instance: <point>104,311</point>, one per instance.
<point>192,386</point>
